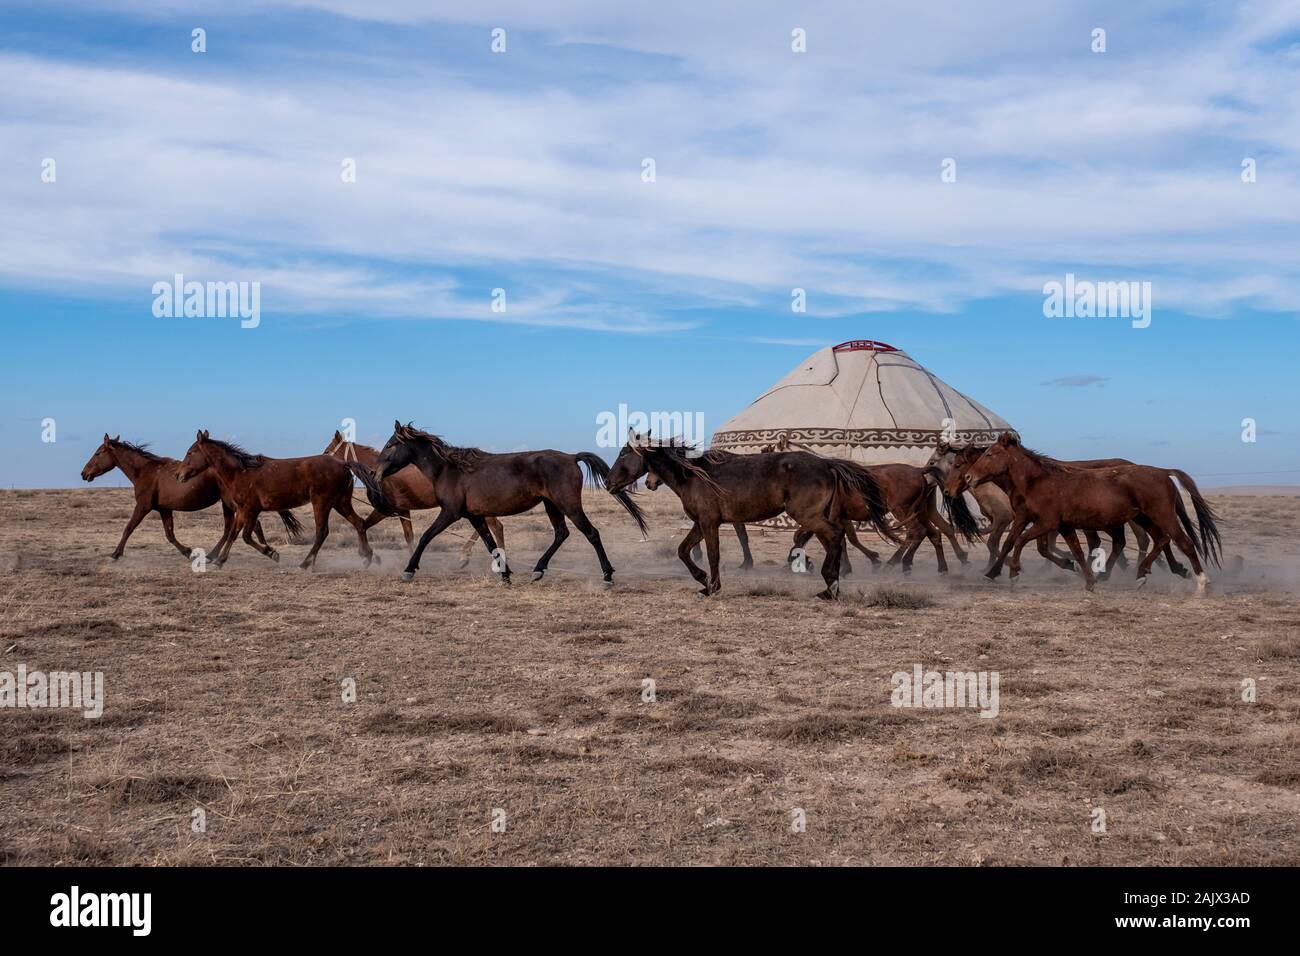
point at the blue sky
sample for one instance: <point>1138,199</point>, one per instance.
<point>522,171</point>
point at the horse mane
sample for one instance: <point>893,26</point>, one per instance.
<point>686,457</point>
<point>245,458</point>
<point>139,448</point>
<point>466,459</point>
<point>1048,465</point>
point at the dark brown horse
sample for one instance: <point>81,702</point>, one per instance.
<point>718,487</point>
<point>252,484</point>
<point>1059,497</point>
<point>153,478</point>
<point>652,483</point>
<point>407,490</point>
<point>473,484</point>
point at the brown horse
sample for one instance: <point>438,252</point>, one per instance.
<point>252,484</point>
<point>1059,497</point>
<point>909,496</point>
<point>998,495</point>
<point>652,483</point>
<point>407,490</point>
<point>153,478</point>
<point>718,487</point>
<point>473,484</point>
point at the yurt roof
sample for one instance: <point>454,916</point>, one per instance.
<point>857,396</point>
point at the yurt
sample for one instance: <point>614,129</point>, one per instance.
<point>863,400</point>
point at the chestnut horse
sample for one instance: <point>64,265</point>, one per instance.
<point>252,484</point>
<point>153,478</point>
<point>999,494</point>
<point>407,490</point>
<point>1060,497</point>
<point>473,484</point>
<point>717,487</point>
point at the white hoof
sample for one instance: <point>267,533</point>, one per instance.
<point>1202,583</point>
<point>408,575</point>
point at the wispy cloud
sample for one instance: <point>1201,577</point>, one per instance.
<point>774,170</point>
<point>1077,381</point>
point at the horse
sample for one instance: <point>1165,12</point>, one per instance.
<point>473,484</point>
<point>252,484</point>
<point>652,483</point>
<point>909,496</point>
<point>996,496</point>
<point>407,490</point>
<point>716,487</point>
<point>153,479</point>
<point>1060,497</point>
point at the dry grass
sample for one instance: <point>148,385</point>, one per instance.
<point>226,693</point>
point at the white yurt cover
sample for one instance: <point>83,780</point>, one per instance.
<point>862,400</point>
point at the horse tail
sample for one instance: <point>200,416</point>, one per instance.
<point>292,527</point>
<point>959,516</point>
<point>598,471</point>
<point>1211,545</point>
<point>374,489</point>
<point>849,474</point>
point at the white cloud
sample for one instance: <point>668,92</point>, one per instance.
<point>774,171</point>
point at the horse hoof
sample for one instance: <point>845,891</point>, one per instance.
<point>538,575</point>
<point>464,563</point>
<point>374,556</point>
<point>505,578</point>
<point>705,592</point>
<point>609,581</point>
<point>408,576</point>
<point>1142,581</point>
<point>274,556</point>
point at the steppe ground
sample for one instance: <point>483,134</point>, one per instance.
<point>225,694</point>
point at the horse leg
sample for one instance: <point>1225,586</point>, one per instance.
<point>1047,548</point>
<point>170,531</point>
<point>916,534</point>
<point>320,512</point>
<point>1072,539</point>
<point>247,521</point>
<point>142,508</point>
<point>945,528</point>
<point>743,537</point>
<point>684,550</point>
<point>588,530</point>
<point>936,539</point>
<point>350,515</point>
<point>561,533</point>
<point>1017,527</point>
<point>996,530</point>
<point>446,518</point>
<point>1173,531</point>
<point>800,542</point>
<point>408,531</point>
<point>832,539</point>
<point>483,531</point>
<point>467,548</point>
<point>1174,566</point>
<point>851,535</point>
<point>712,545</point>
<point>1117,544</point>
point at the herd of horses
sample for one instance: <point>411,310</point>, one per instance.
<point>1024,496</point>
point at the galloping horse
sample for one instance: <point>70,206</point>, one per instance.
<point>999,497</point>
<point>909,495</point>
<point>717,487</point>
<point>473,484</point>
<point>153,478</point>
<point>407,490</point>
<point>252,484</point>
<point>1059,497</point>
